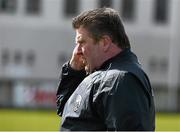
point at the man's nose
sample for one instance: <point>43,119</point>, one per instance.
<point>79,49</point>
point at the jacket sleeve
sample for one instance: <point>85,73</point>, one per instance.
<point>123,104</point>
<point>69,80</point>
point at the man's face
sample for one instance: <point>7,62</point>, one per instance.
<point>90,49</point>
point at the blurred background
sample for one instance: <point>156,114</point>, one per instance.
<point>36,38</point>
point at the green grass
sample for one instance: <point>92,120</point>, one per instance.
<point>44,120</point>
<point>168,121</point>
<point>28,120</point>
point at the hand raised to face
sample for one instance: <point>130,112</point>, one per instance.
<point>77,61</point>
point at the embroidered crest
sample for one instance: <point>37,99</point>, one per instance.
<point>77,103</point>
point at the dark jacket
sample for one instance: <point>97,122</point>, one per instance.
<point>117,96</point>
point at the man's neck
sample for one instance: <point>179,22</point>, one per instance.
<point>113,51</point>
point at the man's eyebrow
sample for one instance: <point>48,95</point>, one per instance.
<point>80,40</point>
<point>77,38</point>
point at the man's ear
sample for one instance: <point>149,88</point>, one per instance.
<point>106,43</point>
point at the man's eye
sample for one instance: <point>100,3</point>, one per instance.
<point>81,43</point>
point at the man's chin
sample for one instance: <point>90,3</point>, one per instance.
<point>87,69</point>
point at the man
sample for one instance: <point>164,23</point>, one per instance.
<point>103,87</point>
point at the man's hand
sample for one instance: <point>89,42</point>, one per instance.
<point>77,61</point>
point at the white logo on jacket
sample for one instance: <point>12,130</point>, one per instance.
<point>77,103</point>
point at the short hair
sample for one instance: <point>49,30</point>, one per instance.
<point>103,21</point>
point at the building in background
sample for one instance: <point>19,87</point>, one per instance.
<point>36,38</point>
